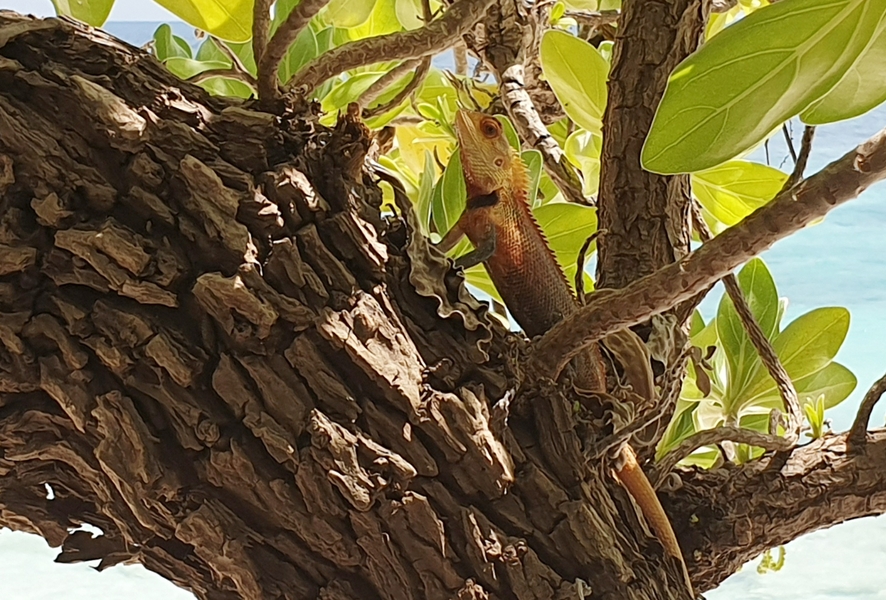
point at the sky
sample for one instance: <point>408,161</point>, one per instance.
<point>124,10</point>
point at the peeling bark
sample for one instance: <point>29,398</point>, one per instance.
<point>215,350</point>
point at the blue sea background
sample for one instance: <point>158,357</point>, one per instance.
<point>839,262</point>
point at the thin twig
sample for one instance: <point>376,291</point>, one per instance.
<point>580,266</point>
<point>759,340</point>
<point>261,26</point>
<point>276,49</point>
<point>711,437</point>
<point>417,79</point>
<point>790,211</point>
<point>435,37</point>
<point>796,175</point>
<point>241,76</point>
<point>789,142</point>
<point>857,434</point>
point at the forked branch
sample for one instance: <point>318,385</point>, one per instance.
<point>436,36</point>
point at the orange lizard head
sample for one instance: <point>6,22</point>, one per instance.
<point>486,155</point>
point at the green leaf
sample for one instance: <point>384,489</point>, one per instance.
<point>577,74</point>
<point>566,227</point>
<point>188,67</point>
<point>861,89</point>
<point>534,163</point>
<point>383,19</point>
<point>510,132</point>
<point>226,19</point>
<point>168,45</point>
<point>753,76</point>
<point>833,384</point>
<point>92,12</point>
<point>735,189</point>
<point>223,86</point>
<point>450,195</point>
<point>303,49</point>
<point>805,347</point>
<point>583,149</point>
<point>209,50</point>
<point>426,192</point>
<point>349,13</point>
<point>759,290</point>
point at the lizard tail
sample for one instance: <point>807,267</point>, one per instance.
<point>635,480</point>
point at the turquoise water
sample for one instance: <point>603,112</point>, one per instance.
<point>836,263</point>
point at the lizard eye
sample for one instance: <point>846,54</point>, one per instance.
<point>490,128</point>
<point>499,162</point>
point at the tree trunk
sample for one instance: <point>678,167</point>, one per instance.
<point>215,350</point>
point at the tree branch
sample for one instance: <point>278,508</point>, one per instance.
<point>709,437</point>
<point>790,211</point>
<point>298,19</point>
<point>858,432</point>
<point>261,25</point>
<point>801,159</point>
<point>737,512</point>
<point>434,37</point>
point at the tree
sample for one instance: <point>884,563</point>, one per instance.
<point>225,347</point>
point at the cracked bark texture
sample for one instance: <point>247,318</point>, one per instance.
<point>645,215</point>
<point>214,349</point>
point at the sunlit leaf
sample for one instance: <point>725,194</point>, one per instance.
<point>566,227</point>
<point>349,13</point>
<point>383,19</point>
<point>577,74</point>
<point>223,86</point>
<point>450,195</point>
<point>534,163</point>
<point>753,76</point>
<point>807,345</point>
<point>860,90</point>
<point>583,149</point>
<point>226,19</point>
<point>735,189</point>
<point>92,12</point>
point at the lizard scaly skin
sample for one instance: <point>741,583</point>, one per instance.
<point>506,238</point>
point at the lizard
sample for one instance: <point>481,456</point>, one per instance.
<point>499,224</point>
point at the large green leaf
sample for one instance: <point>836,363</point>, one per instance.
<point>567,226</point>
<point>860,90</point>
<point>168,45</point>
<point>188,67</point>
<point>761,295</point>
<point>750,78</point>
<point>833,383</point>
<point>92,12</point>
<point>577,74</point>
<point>805,347</point>
<point>450,195</point>
<point>226,19</point>
<point>735,189</point>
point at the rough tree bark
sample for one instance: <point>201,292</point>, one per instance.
<point>214,349</point>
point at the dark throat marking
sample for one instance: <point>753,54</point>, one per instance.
<point>484,200</point>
